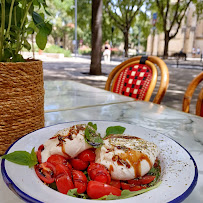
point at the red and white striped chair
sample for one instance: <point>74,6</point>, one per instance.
<point>137,77</point>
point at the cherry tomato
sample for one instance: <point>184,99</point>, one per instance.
<point>115,183</point>
<point>39,155</point>
<point>98,172</point>
<point>80,181</point>
<point>142,181</point>
<point>57,159</point>
<point>97,189</point>
<point>131,187</point>
<point>78,164</point>
<point>46,172</point>
<point>69,165</point>
<point>64,183</point>
<point>62,169</point>
<point>87,155</point>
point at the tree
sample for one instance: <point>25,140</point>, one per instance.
<point>123,13</point>
<point>171,15</point>
<point>140,31</point>
<point>84,20</point>
<point>60,18</point>
<point>95,66</point>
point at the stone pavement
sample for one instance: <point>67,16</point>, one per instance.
<point>77,68</point>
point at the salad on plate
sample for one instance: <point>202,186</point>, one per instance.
<point>77,161</point>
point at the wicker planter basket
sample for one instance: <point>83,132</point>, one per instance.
<point>21,100</point>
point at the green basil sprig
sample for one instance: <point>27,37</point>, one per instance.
<point>92,137</point>
<point>22,158</point>
<point>115,130</point>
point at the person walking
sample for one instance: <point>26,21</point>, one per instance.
<point>193,52</point>
<point>107,52</point>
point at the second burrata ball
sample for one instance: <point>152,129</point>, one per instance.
<point>126,157</point>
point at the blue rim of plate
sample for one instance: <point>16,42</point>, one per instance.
<point>27,198</point>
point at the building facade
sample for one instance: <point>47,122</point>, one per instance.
<point>189,38</point>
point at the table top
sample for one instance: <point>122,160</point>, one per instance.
<point>67,101</point>
<point>62,95</point>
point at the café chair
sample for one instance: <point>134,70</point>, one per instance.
<point>137,78</point>
<point>188,96</point>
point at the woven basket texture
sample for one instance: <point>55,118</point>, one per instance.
<point>21,100</point>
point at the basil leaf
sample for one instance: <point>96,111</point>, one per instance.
<point>74,193</point>
<point>115,130</point>
<point>33,158</point>
<point>22,158</point>
<point>92,125</point>
<point>91,136</point>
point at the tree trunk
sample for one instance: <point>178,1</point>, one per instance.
<point>166,43</point>
<point>125,33</point>
<point>95,67</point>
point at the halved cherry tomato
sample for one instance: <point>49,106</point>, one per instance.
<point>64,183</point>
<point>62,169</point>
<point>46,172</point>
<point>39,155</point>
<point>115,183</point>
<point>131,187</point>
<point>98,172</point>
<point>142,181</point>
<point>78,164</point>
<point>97,189</point>
<point>56,159</point>
<point>79,180</point>
<point>87,155</point>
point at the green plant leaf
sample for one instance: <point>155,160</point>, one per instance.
<point>19,13</point>
<point>17,58</point>
<point>92,137</point>
<point>30,30</point>
<point>94,126</point>
<point>115,130</point>
<point>33,27</point>
<point>27,45</point>
<point>41,39</point>
<point>22,158</point>
<point>48,28</point>
<point>7,54</point>
<point>74,193</point>
<point>38,20</point>
<point>33,158</point>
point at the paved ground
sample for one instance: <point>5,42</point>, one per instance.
<point>77,68</point>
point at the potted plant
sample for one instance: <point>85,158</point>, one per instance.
<point>21,80</point>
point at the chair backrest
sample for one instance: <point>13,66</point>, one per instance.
<point>137,77</point>
<point>188,96</point>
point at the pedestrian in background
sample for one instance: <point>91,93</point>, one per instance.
<point>107,52</point>
<point>198,51</point>
<point>193,52</point>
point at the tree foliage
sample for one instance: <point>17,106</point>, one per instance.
<point>123,13</point>
<point>60,17</point>
<point>140,30</point>
<point>170,16</point>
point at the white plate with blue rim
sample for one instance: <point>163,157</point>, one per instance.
<point>178,176</point>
